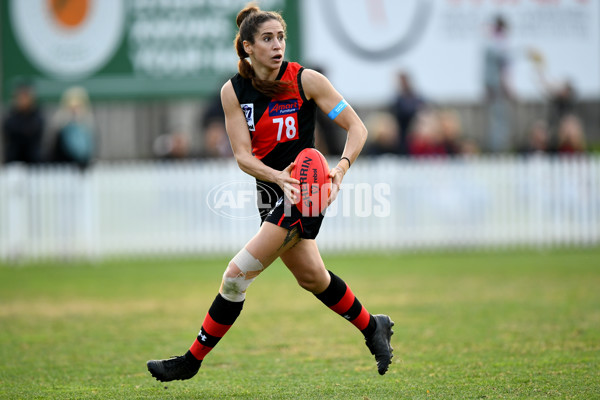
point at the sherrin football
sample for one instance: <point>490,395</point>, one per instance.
<point>312,171</point>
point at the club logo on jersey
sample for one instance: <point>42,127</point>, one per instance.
<point>283,107</point>
<point>248,109</point>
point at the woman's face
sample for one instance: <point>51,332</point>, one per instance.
<point>269,45</point>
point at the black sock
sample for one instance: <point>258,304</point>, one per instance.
<point>340,299</point>
<point>220,317</point>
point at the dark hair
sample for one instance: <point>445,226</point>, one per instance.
<point>22,84</point>
<point>248,20</point>
<point>500,24</point>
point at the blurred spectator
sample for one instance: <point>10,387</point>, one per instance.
<point>425,139</point>
<point>571,137</point>
<point>213,112</point>
<point>74,126</point>
<point>23,127</point>
<point>498,93</point>
<point>172,146</point>
<point>383,134</point>
<point>561,96</point>
<point>450,131</point>
<point>469,148</point>
<point>215,141</point>
<point>538,140</point>
<point>562,99</point>
<point>329,137</point>
<point>405,107</point>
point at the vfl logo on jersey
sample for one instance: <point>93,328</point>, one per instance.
<point>283,107</point>
<point>248,109</point>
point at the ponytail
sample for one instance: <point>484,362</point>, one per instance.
<point>248,21</point>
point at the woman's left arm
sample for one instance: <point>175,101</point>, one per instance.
<point>317,87</point>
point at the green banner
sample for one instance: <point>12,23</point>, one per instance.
<point>127,48</point>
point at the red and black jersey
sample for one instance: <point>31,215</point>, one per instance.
<point>282,126</point>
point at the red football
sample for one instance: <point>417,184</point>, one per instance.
<point>312,171</point>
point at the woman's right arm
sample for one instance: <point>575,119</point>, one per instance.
<point>239,137</point>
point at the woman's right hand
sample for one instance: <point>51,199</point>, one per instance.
<point>289,185</point>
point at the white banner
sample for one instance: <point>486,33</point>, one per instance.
<point>363,44</point>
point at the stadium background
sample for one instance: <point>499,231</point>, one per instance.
<point>488,263</point>
<point>153,70</point>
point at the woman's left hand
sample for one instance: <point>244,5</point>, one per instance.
<point>337,175</point>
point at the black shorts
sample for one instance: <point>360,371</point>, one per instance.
<point>274,208</point>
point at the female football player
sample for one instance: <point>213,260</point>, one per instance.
<point>270,116</point>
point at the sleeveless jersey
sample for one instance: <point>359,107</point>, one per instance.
<point>282,126</point>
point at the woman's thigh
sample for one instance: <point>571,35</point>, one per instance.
<point>305,263</point>
<point>272,241</point>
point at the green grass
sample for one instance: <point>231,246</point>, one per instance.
<point>516,325</point>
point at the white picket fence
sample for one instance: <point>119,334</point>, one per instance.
<point>208,207</point>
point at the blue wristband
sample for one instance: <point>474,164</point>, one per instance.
<point>337,109</point>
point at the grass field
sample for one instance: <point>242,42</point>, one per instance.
<point>468,326</point>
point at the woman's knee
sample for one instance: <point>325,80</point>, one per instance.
<point>313,280</point>
<point>239,274</point>
<point>232,270</point>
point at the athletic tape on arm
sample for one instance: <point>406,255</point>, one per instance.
<point>234,288</point>
<point>337,109</point>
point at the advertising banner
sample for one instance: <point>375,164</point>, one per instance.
<point>363,44</point>
<point>126,48</point>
